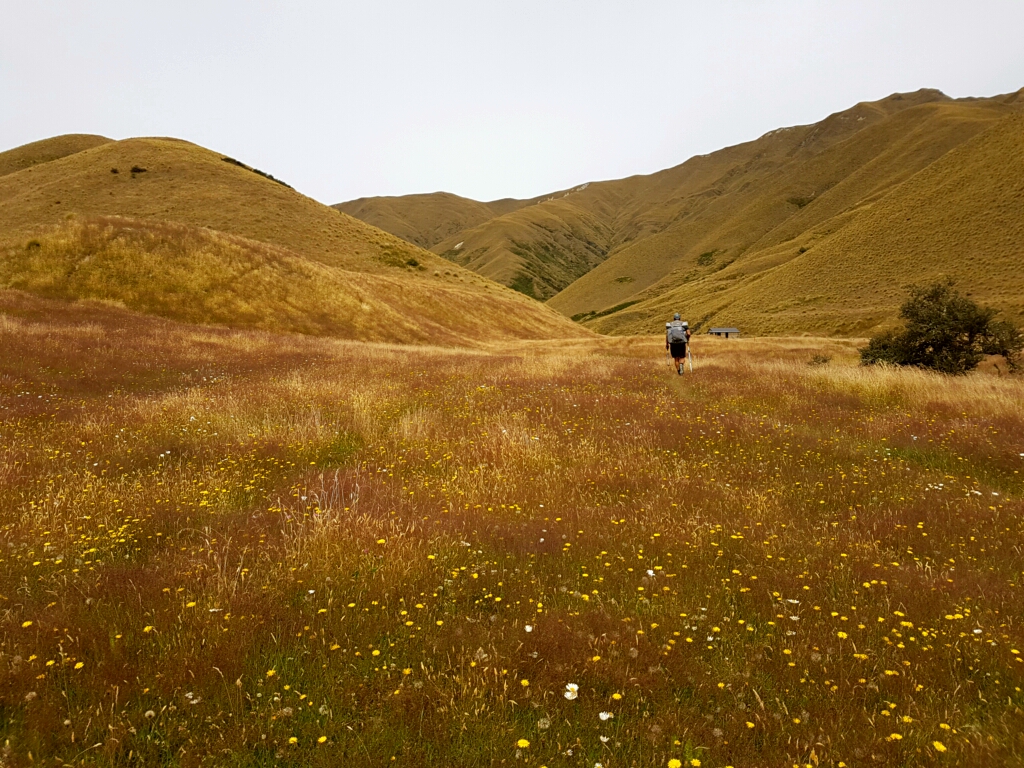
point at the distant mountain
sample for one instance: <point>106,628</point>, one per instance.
<point>426,220</point>
<point>166,227</point>
<point>715,235</point>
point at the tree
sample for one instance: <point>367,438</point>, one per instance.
<point>946,332</point>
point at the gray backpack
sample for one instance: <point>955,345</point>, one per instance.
<point>676,333</point>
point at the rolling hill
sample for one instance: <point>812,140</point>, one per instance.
<point>714,235</point>
<point>961,217</point>
<point>426,220</point>
<point>167,227</point>
<point>44,151</point>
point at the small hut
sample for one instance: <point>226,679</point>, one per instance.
<point>728,333</point>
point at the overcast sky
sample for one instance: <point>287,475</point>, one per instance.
<point>484,99</point>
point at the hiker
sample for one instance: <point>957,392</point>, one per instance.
<point>677,338</point>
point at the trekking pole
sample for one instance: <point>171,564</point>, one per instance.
<point>689,356</point>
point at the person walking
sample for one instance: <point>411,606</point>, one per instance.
<point>677,338</point>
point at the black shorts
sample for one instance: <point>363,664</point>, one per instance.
<point>677,349</point>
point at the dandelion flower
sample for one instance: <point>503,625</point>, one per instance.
<point>841,635</point>
<point>939,746</point>
<point>148,628</point>
<point>79,665</point>
<point>524,682</point>
<point>26,624</point>
<point>522,743</point>
<point>321,740</point>
<point>271,672</point>
<point>293,740</point>
<point>673,763</point>
<point>617,696</point>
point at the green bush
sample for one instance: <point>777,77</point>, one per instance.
<point>945,332</point>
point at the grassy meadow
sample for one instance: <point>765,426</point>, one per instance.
<point>238,548</point>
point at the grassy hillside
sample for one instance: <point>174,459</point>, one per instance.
<point>202,276</point>
<point>206,239</point>
<point>426,220</point>
<point>604,252</point>
<point>961,216</point>
<point>20,158</point>
<point>537,250</point>
<point>536,246</point>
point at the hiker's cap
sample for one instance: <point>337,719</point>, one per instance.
<point>675,316</point>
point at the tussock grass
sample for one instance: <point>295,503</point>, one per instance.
<point>241,548</point>
<point>203,240</point>
<point>202,276</point>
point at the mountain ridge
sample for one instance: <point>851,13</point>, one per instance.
<point>606,244</point>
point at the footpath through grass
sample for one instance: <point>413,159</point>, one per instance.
<point>238,549</point>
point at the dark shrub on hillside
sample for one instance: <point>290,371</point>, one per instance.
<point>945,332</point>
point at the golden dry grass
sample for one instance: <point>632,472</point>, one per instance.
<point>962,217</point>
<point>236,548</point>
<point>808,229</point>
<point>426,220</point>
<point>192,236</point>
<point>190,185</point>
<point>201,276</point>
<point>20,158</point>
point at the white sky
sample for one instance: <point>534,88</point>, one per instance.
<point>484,99</point>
